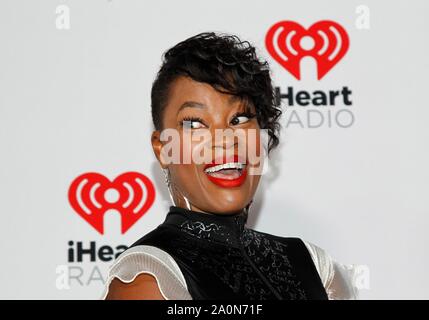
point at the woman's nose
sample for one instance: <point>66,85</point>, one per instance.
<point>225,138</point>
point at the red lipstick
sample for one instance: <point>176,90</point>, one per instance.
<point>227,181</point>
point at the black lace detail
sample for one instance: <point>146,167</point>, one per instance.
<point>228,266</point>
<point>208,231</point>
<point>270,256</point>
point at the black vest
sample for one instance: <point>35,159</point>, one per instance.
<point>222,259</point>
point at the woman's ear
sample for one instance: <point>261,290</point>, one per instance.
<point>157,146</point>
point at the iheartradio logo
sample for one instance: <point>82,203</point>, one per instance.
<point>288,42</point>
<point>92,194</point>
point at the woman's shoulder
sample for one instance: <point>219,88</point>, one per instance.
<point>146,259</point>
<point>338,279</point>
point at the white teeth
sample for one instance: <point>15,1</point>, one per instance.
<point>229,165</point>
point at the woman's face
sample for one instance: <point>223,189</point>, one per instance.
<point>213,173</point>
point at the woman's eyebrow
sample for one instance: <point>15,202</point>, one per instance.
<point>192,104</point>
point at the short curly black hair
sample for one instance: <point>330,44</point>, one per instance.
<point>229,65</point>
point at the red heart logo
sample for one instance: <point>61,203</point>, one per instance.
<point>131,194</point>
<point>327,43</point>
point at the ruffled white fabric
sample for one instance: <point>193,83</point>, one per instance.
<point>338,279</point>
<point>153,261</point>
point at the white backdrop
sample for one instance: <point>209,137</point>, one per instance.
<point>77,100</point>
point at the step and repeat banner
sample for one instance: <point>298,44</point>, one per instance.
<point>78,178</point>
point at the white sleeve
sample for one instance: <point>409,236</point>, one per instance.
<point>338,279</point>
<point>154,261</point>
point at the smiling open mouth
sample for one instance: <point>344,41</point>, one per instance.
<point>229,174</point>
<point>229,171</point>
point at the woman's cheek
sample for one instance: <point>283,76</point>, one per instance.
<point>203,149</point>
<point>198,147</point>
<point>255,151</point>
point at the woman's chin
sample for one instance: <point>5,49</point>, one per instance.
<point>226,207</point>
<point>227,200</point>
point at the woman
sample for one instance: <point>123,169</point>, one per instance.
<point>203,250</point>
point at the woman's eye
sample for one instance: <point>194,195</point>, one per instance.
<point>192,124</point>
<point>239,120</point>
